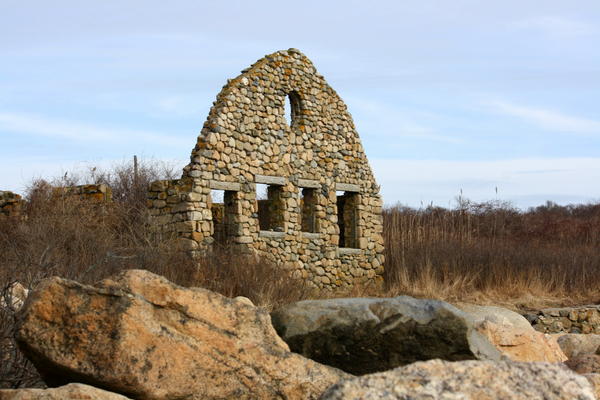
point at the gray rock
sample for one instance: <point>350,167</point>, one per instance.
<point>364,335</point>
<point>574,344</point>
<point>466,380</point>
<point>497,315</point>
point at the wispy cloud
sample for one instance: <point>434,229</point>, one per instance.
<point>382,119</point>
<point>556,26</point>
<point>547,119</point>
<point>36,125</point>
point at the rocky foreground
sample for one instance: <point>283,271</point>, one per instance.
<point>139,336</point>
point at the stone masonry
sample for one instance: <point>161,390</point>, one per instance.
<point>93,192</point>
<point>583,319</point>
<point>321,218</point>
<point>11,204</point>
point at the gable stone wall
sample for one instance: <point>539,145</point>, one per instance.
<point>246,140</point>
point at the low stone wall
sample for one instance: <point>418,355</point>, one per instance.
<point>95,192</point>
<point>584,319</point>
<point>11,204</point>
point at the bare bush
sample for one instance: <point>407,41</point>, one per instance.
<point>15,370</point>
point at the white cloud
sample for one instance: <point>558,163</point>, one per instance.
<point>526,182</point>
<point>557,26</point>
<point>36,125</point>
<point>548,119</point>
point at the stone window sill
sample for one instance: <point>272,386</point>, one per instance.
<point>311,235</point>
<point>348,250</point>
<point>271,234</point>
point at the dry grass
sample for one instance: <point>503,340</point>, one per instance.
<point>491,252</point>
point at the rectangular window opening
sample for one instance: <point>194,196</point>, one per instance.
<point>347,205</point>
<point>308,202</point>
<point>223,210</point>
<point>270,207</point>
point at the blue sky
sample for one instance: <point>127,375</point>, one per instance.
<point>446,95</point>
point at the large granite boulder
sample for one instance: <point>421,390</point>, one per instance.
<point>72,391</point>
<point>142,336</point>
<point>466,380</point>
<point>366,335</point>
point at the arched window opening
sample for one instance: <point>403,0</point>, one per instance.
<point>292,108</point>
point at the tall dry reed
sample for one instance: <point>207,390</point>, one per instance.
<point>492,248</point>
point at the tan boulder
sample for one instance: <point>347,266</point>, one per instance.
<point>72,391</point>
<point>466,380</point>
<point>143,336</point>
<point>512,335</point>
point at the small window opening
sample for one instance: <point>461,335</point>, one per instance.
<point>308,202</point>
<point>291,108</point>
<point>270,207</point>
<point>223,210</point>
<point>347,205</point>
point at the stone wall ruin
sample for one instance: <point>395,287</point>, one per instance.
<point>321,214</point>
<point>11,204</point>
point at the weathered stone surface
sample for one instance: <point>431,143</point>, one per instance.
<point>143,336</point>
<point>594,380</point>
<point>11,204</point>
<point>15,296</point>
<point>584,363</point>
<point>271,180</point>
<point>309,183</point>
<point>512,334</point>
<point>365,335</point>
<point>225,185</point>
<point>466,380</point>
<point>72,391</point>
<point>347,187</point>
<point>307,155</point>
<point>369,335</point>
<point>575,344</point>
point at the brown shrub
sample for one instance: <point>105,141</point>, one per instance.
<point>63,235</point>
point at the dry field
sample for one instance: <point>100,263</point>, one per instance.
<point>484,253</point>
